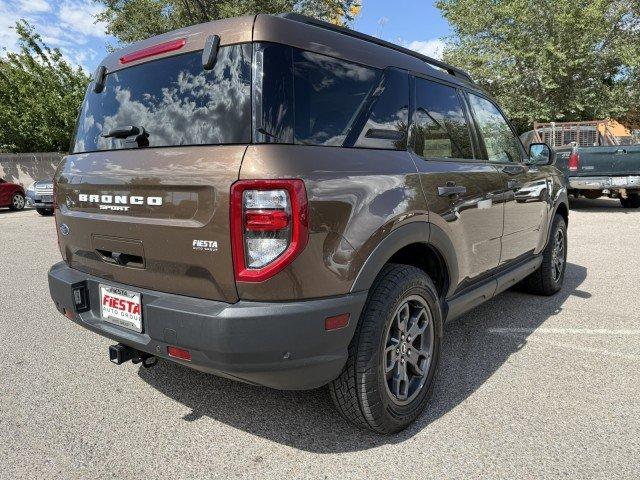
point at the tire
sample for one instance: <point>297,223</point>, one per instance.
<point>549,277</point>
<point>17,202</point>
<point>45,212</point>
<point>632,201</point>
<point>363,391</point>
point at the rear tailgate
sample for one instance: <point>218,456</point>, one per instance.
<point>152,218</point>
<point>617,160</point>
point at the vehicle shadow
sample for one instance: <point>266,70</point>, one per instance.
<point>599,205</point>
<point>308,421</point>
<point>5,211</point>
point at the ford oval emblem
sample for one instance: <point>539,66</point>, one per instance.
<point>64,229</point>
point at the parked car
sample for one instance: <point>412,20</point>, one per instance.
<point>288,203</point>
<point>595,161</point>
<point>40,195</point>
<point>11,195</point>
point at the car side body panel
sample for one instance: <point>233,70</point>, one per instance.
<point>356,198</point>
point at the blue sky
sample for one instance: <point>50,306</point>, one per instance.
<point>70,26</point>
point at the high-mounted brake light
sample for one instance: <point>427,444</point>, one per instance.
<point>153,50</point>
<point>269,226</point>
<point>574,161</point>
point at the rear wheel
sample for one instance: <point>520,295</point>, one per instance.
<point>17,202</point>
<point>394,354</point>
<point>549,277</point>
<point>632,201</point>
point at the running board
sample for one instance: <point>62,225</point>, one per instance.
<point>461,303</point>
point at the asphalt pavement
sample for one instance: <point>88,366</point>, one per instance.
<point>529,387</point>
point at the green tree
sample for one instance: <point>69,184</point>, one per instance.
<point>40,93</point>
<point>550,60</point>
<point>132,20</point>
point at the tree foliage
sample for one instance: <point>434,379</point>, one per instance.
<point>132,20</point>
<point>550,60</point>
<point>40,94</point>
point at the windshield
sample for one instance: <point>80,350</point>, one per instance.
<point>175,100</point>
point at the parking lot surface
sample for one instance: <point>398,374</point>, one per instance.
<point>529,387</point>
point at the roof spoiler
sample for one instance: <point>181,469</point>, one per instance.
<point>450,69</point>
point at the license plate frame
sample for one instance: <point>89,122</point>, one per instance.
<point>46,198</point>
<point>121,307</point>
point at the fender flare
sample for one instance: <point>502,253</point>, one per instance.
<point>415,232</point>
<point>562,198</point>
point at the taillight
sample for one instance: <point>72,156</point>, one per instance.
<point>574,160</point>
<point>269,226</point>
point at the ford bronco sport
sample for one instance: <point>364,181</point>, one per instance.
<point>284,202</point>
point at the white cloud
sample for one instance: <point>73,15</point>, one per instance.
<point>432,48</point>
<point>68,25</point>
<point>80,17</point>
<point>34,6</point>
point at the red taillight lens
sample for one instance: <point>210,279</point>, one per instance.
<point>266,220</point>
<point>574,161</point>
<point>269,226</point>
<point>154,50</point>
<point>180,353</point>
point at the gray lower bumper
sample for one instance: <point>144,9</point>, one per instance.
<point>279,345</point>
<point>605,183</point>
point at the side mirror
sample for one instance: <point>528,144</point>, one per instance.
<point>541,154</point>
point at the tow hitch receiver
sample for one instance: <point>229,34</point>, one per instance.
<point>120,354</point>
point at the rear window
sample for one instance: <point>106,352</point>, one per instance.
<point>175,100</point>
<point>305,98</point>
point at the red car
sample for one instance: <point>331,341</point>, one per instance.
<point>11,195</point>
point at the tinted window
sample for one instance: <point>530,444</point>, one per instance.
<point>175,100</point>
<point>499,141</point>
<point>387,118</point>
<point>306,98</point>
<point>440,127</point>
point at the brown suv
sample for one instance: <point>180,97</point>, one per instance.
<point>292,204</point>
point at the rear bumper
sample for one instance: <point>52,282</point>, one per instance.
<point>278,345</point>
<point>605,182</point>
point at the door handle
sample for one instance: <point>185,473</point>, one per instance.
<point>513,184</point>
<point>621,151</point>
<point>451,190</point>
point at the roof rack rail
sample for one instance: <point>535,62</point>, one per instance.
<point>450,69</point>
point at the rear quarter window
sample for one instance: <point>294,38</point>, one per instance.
<point>305,98</point>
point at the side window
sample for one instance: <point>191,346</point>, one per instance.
<point>387,120</point>
<point>500,143</point>
<point>440,127</point>
<point>306,98</point>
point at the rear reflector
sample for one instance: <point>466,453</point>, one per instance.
<point>180,353</point>
<point>334,323</point>
<point>154,50</point>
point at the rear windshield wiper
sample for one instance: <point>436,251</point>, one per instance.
<point>139,134</point>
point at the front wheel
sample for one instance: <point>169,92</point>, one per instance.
<point>632,201</point>
<point>549,277</point>
<point>17,202</point>
<point>394,354</point>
